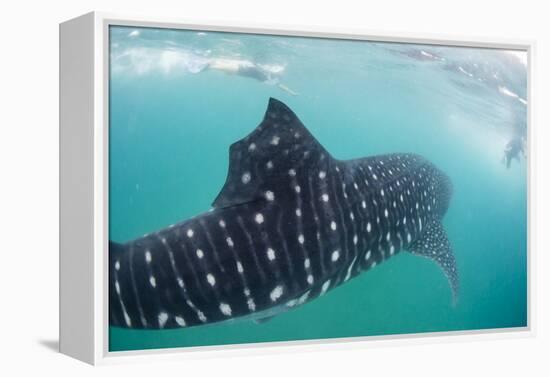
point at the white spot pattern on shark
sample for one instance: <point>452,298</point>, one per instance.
<point>289,223</point>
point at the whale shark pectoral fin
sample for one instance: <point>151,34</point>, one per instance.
<point>261,321</point>
<point>435,245</point>
<point>279,147</point>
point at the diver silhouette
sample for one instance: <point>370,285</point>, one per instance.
<point>514,148</point>
<point>263,73</point>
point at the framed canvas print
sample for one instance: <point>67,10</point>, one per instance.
<point>234,186</point>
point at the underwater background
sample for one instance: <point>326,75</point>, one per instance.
<point>177,103</point>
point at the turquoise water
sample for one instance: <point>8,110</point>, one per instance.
<point>173,115</point>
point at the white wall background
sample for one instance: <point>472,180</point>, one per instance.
<point>29,184</point>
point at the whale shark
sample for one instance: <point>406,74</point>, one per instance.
<point>290,224</point>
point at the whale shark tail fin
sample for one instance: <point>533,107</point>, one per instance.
<point>435,245</point>
<point>278,149</point>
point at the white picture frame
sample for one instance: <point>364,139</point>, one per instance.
<point>84,186</point>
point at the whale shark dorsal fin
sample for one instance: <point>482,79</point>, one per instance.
<point>264,158</point>
<point>435,245</point>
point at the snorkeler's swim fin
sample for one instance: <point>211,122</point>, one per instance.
<point>287,89</point>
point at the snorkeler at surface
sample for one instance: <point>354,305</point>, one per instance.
<point>264,73</point>
<point>513,150</point>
